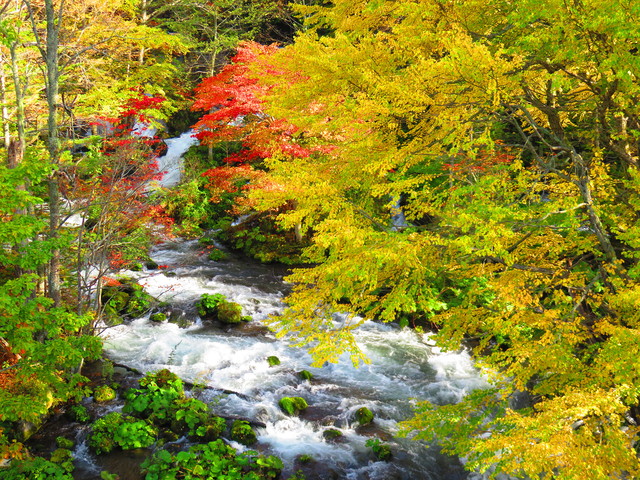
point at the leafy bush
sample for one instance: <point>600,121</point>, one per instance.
<point>229,312</point>
<point>212,460</point>
<point>208,304</point>
<point>115,430</point>
<point>78,413</point>
<point>36,469</point>
<point>382,451</point>
<point>155,399</point>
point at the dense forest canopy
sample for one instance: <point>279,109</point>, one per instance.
<point>470,168</point>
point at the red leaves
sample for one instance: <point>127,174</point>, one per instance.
<point>234,106</point>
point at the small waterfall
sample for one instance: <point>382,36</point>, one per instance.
<point>171,162</point>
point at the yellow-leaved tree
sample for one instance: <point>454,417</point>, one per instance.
<point>506,134</point>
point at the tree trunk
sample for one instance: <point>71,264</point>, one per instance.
<point>53,74</point>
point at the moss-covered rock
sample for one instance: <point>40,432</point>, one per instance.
<point>292,405</point>
<point>332,434</point>
<point>158,317</point>
<point>273,361</point>
<point>62,442</point>
<point>229,312</point>
<point>242,432</point>
<point>305,375</point>
<point>364,416</point>
<point>104,393</point>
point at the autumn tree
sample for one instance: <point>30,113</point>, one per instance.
<point>510,139</point>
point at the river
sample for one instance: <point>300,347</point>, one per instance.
<point>405,366</point>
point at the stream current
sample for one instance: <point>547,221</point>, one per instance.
<point>405,366</point>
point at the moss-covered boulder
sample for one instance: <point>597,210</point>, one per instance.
<point>305,375</point>
<point>229,312</point>
<point>273,361</point>
<point>127,299</point>
<point>242,433</point>
<point>158,317</point>
<point>332,434</point>
<point>104,393</point>
<point>292,405</point>
<point>364,416</point>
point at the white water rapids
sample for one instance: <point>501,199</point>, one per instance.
<point>404,366</point>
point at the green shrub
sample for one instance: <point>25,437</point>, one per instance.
<point>78,413</point>
<point>382,451</point>
<point>212,429</point>
<point>155,399</point>
<point>229,312</point>
<point>213,460</point>
<point>292,405</point>
<point>208,304</point>
<point>116,430</point>
<point>242,432</point>
<point>36,468</point>
<point>216,255</point>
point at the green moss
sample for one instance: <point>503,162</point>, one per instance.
<point>364,416</point>
<point>63,442</point>
<point>273,361</point>
<point>158,317</point>
<point>305,375</point>
<point>305,459</point>
<point>242,432</point>
<point>104,393</point>
<point>332,434</point>
<point>292,405</point>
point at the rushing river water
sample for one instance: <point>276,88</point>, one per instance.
<point>404,366</point>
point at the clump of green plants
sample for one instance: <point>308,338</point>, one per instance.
<point>208,304</point>
<point>215,254</point>
<point>292,405</point>
<point>62,442</point>
<point>382,451</point>
<point>211,460</point>
<point>156,396</point>
<point>78,413</point>
<point>242,432</point>
<point>37,468</point>
<point>217,307</point>
<point>117,430</point>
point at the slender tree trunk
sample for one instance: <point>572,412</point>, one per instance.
<point>53,74</point>
<point>144,18</point>
<point>6,132</point>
